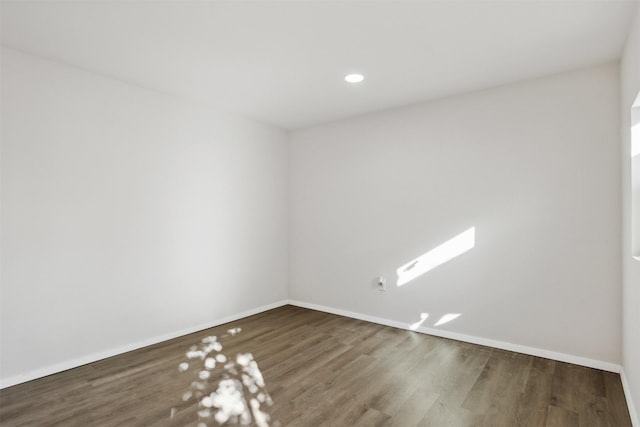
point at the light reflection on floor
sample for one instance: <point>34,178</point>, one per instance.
<point>235,395</point>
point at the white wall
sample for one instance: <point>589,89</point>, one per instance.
<point>534,167</point>
<point>630,86</point>
<point>128,215</point>
<point>635,174</point>
<point>135,214</point>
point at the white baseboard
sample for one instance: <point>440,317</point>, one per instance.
<point>635,421</point>
<point>74,363</point>
<point>547,354</point>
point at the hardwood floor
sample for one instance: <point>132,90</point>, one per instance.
<point>326,370</point>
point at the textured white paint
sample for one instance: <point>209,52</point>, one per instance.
<point>534,167</point>
<point>284,62</point>
<point>630,87</point>
<point>128,214</point>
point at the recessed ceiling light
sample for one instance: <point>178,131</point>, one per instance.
<point>354,78</point>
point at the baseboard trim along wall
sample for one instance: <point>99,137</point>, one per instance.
<point>74,363</point>
<point>633,413</point>
<point>532,351</point>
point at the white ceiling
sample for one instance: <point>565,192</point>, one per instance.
<point>284,62</point>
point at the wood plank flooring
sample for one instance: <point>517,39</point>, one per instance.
<point>327,370</point>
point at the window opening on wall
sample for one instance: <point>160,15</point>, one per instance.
<point>635,178</point>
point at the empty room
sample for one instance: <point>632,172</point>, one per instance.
<point>320,213</point>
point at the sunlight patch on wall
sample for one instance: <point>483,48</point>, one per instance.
<point>423,318</point>
<point>447,318</point>
<point>444,319</point>
<point>437,256</point>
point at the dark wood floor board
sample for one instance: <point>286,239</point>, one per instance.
<point>500,393</point>
<point>534,401</point>
<point>314,361</point>
<point>352,359</point>
<point>325,407</point>
<point>371,394</point>
<point>364,366</point>
<point>575,388</point>
<point>333,391</point>
<point>559,417</point>
<point>342,393</point>
<point>371,418</point>
<point>295,326</point>
<point>617,413</point>
<point>413,340</point>
<point>499,386</point>
<point>394,397</point>
<point>439,371</point>
<point>327,370</point>
<point>441,414</point>
<point>350,408</point>
<point>369,343</point>
<point>297,355</point>
<point>594,413</point>
<point>295,401</point>
<point>391,339</point>
<point>414,408</point>
<point>371,337</point>
<point>339,326</point>
<point>463,372</point>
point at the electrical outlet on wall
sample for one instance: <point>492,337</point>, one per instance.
<point>382,284</point>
